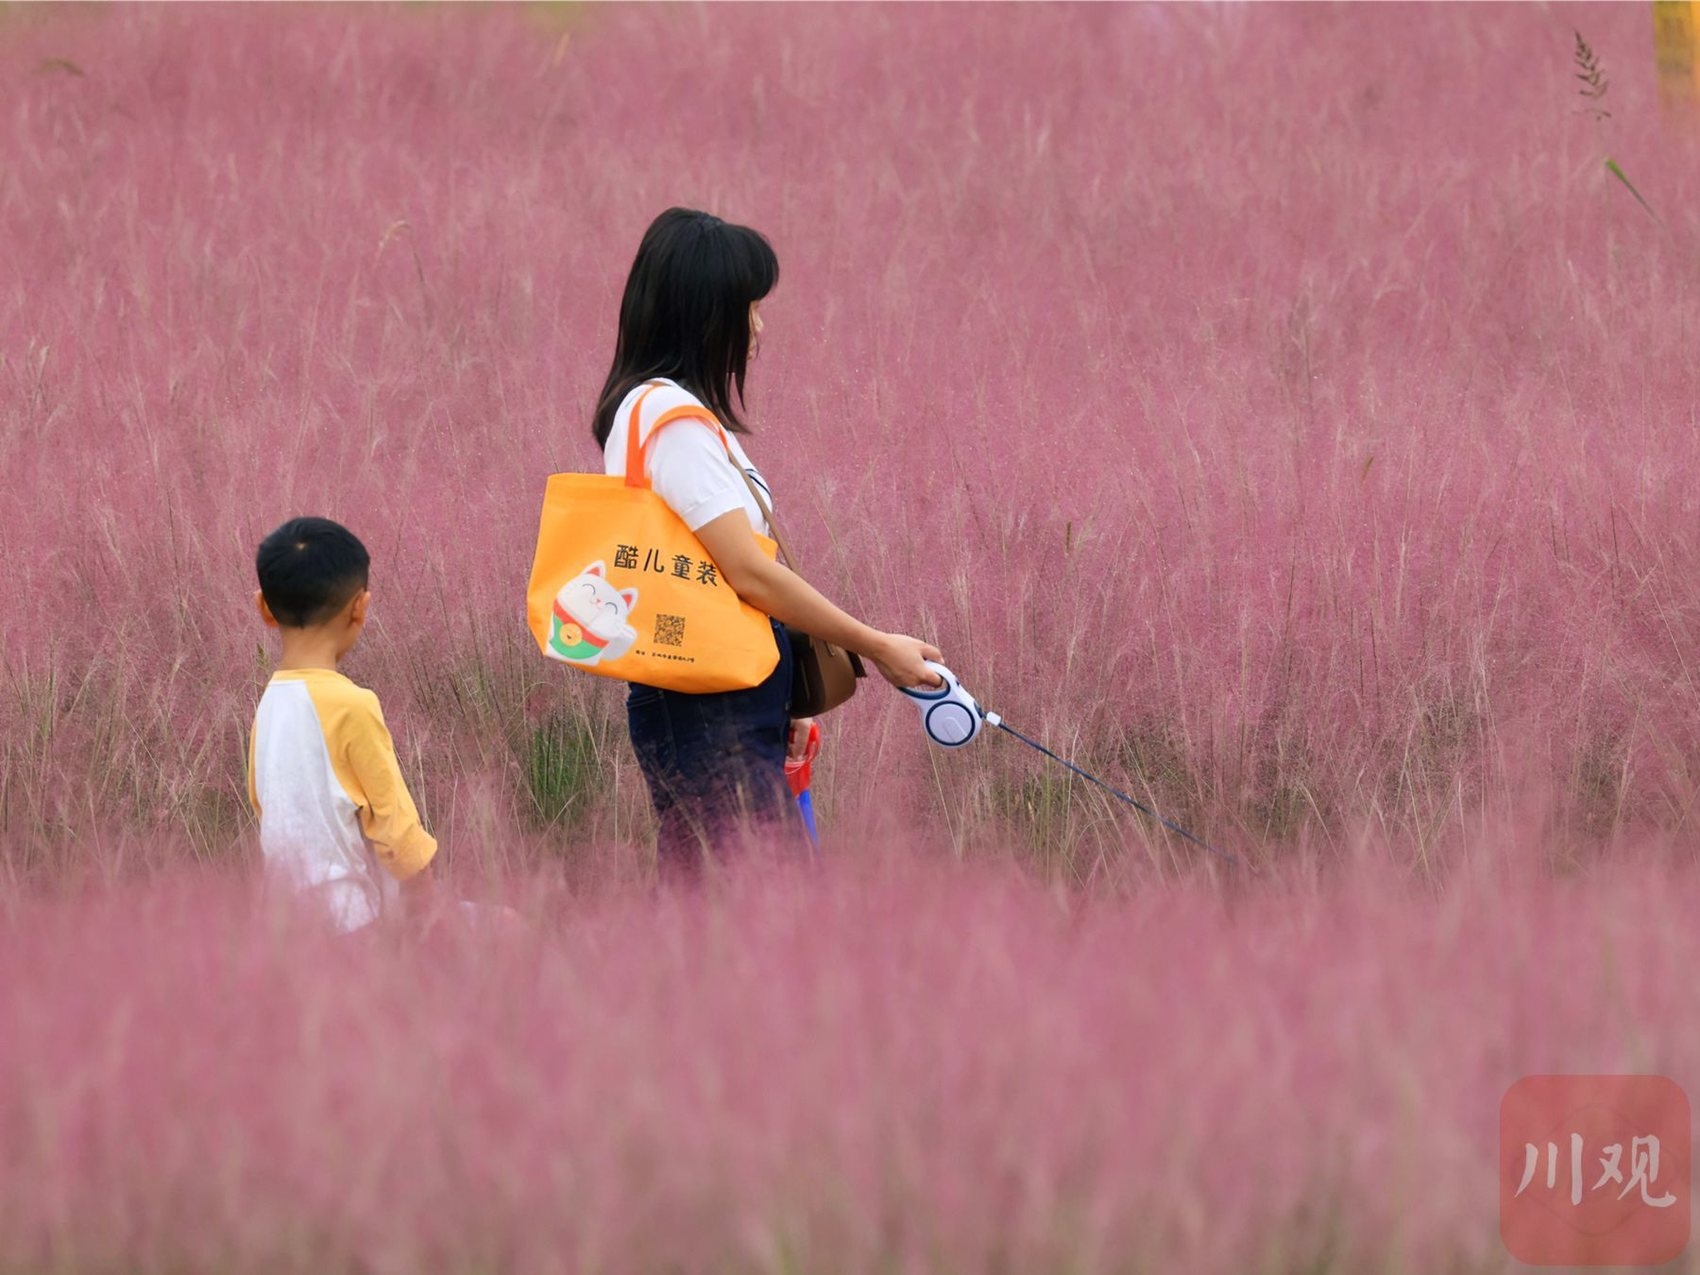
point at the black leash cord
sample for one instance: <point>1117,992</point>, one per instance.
<point>1232,860</point>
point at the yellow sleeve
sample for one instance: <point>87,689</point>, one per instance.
<point>369,770</point>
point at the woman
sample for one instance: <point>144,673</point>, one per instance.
<point>690,321</point>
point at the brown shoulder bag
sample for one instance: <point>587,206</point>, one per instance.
<point>822,675</point>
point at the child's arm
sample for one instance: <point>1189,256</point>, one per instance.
<point>388,816</point>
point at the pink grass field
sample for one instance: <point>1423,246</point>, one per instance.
<point>913,1071</point>
<point>1281,410</point>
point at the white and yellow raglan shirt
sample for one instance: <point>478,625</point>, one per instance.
<point>336,819</point>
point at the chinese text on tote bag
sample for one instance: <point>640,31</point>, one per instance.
<point>620,587</point>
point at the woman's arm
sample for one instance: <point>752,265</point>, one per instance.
<point>787,597</point>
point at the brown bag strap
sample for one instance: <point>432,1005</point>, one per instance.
<point>708,418</point>
<point>855,661</point>
<point>767,513</point>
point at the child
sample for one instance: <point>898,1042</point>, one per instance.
<point>322,769</point>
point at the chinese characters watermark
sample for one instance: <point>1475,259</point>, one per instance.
<point>1594,1170</point>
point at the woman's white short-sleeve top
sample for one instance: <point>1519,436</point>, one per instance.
<point>687,465</point>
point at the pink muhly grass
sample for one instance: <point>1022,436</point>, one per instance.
<point>1279,409</point>
<point>904,1070</point>
<point>1276,408</point>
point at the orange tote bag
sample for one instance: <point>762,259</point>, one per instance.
<point>620,587</point>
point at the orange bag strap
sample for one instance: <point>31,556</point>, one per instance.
<point>635,452</point>
<point>635,477</point>
<point>637,447</point>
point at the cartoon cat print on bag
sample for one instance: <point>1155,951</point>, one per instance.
<point>588,623</point>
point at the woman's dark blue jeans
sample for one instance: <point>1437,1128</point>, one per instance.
<point>715,764</point>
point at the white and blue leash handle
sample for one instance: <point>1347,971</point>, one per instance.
<point>952,719</point>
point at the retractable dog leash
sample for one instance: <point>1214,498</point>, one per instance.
<point>952,719</point>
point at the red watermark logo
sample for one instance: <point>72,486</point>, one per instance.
<point>1594,1170</point>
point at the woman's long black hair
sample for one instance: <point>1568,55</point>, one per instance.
<point>686,313</point>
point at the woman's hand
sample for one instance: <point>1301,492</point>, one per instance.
<point>788,598</point>
<point>797,747</point>
<point>901,660</point>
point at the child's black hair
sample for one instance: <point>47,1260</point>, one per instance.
<point>309,568</point>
